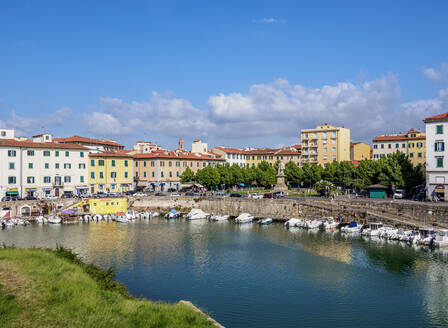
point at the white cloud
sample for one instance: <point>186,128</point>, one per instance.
<point>436,75</point>
<point>270,20</point>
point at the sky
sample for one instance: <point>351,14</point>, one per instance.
<point>233,73</point>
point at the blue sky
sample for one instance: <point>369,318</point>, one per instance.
<point>238,73</point>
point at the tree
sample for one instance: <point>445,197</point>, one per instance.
<point>267,176</point>
<point>293,173</point>
<point>187,175</point>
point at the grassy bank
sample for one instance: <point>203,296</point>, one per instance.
<point>53,288</point>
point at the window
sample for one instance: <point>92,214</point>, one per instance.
<point>144,163</point>
<point>67,154</point>
<point>67,179</point>
<point>419,144</point>
<point>439,146</point>
<point>191,164</point>
<point>152,163</point>
<point>375,146</point>
<point>47,166</point>
<point>101,175</point>
<point>125,174</point>
<point>185,164</point>
<point>153,174</point>
<point>92,175</point>
<point>204,164</point>
<point>325,150</point>
<point>81,154</point>
<point>92,162</point>
<point>420,155</point>
<point>170,163</point>
<point>403,145</point>
<point>11,153</point>
<point>197,164</point>
<point>136,164</point>
<point>12,166</point>
<point>333,149</point>
<point>30,165</point>
<point>81,178</point>
<point>439,129</point>
<point>333,134</point>
<point>67,166</point>
<point>411,155</point>
<point>101,162</point>
<point>82,165</point>
<point>334,157</point>
<point>171,174</point>
<point>161,174</point>
<point>177,173</point>
<point>113,163</point>
<point>11,180</point>
<point>30,152</point>
<point>144,174</point>
<point>126,163</point>
<point>382,146</point>
<point>3,133</point>
<point>178,164</point>
<point>47,137</point>
<point>325,157</point>
<point>324,135</point>
<point>29,179</point>
<point>162,163</point>
<point>47,179</point>
<point>56,165</point>
<point>113,175</point>
<point>46,153</point>
<point>56,153</point>
<point>439,161</point>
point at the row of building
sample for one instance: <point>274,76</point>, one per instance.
<point>47,166</point>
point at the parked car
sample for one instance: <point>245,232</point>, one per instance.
<point>175,194</point>
<point>67,195</point>
<point>7,199</point>
<point>220,194</point>
<point>30,198</point>
<point>400,194</point>
<point>190,194</point>
<point>236,194</point>
<point>278,194</point>
<point>255,196</point>
<point>160,194</point>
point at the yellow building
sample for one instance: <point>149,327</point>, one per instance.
<point>110,172</point>
<point>359,151</point>
<point>108,205</point>
<point>325,144</point>
<point>272,156</point>
<point>416,147</point>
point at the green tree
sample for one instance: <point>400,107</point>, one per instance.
<point>187,175</point>
<point>293,173</point>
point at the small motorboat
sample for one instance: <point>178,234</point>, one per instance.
<point>197,214</point>
<point>41,219</point>
<point>441,239</point>
<point>54,220</point>
<point>244,218</point>
<point>314,224</point>
<point>219,217</point>
<point>97,218</point>
<point>130,215</point>
<point>330,223</point>
<point>173,214</point>
<point>265,221</point>
<point>292,223</point>
<point>352,227</point>
<point>121,219</point>
<point>424,237</point>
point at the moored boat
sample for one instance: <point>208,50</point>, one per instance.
<point>264,221</point>
<point>244,218</point>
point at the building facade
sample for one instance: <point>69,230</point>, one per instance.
<point>359,151</point>
<point>273,155</point>
<point>325,144</point>
<point>412,144</point>
<point>232,155</point>
<point>111,172</point>
<point>437,155</point>
<point>93,145</point>
<point>41,167</point>
<point>161,170</point>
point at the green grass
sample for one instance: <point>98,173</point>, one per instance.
<point>47,288</point>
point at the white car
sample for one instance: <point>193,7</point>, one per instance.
<point>175,194</point>
<point>255,196</point>
<point>140,194</point>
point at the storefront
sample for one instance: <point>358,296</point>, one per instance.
<point>82,189</point>
<point>31,192</point>
<point>124,187</point>
<point>46,192</point>
<point>439,191</point>
<point>12,191</point>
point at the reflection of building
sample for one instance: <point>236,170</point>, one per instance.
<point>41,167</point>
<point>325,144</point>
<point>412,144</point>
<point>110,172</point>
<point>436,154</point>
<point>108,205</point>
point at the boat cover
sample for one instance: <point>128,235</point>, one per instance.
<point>352,224</point>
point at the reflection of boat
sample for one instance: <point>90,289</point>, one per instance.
<point>196,214</point>
<point>244,218</point>
<point>265,221</point>
<point>219,217</point>
<point>441,239</point>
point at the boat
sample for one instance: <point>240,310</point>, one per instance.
<point>219,217</point>
<point>173,214</point>
<point>87,218</point>
<point>197,214</point>
<point>313,224</point>
<point>425,236</point>
<point>292,223</point>
<point>121,219</point>
<point>130,215</point>
<point>264,221</point>
<point>244,218</point>
<point>156,214</point>
<point>352,227</point>
<point>441,239</point>
<point>41,219</point>
<point>373,229</point>
<point>54,220</point>
<point>97,218</point>
<point>330,223</point>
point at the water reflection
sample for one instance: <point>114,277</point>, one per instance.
<point>238,271</point>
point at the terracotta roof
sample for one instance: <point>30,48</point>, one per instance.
<point>232,150</point>
<point>31,144</point>
<point>443,116</point>
<point>177,155</point>
<point>112,154</point>
<point>78,139</point>
<point>402,137</point>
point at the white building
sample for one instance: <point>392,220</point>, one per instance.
<point>7,134</point>
<point>93,145</point>
<point>42,167</point>
<point>232,155</point>
<point>199,147</point>
<point>437,155</point>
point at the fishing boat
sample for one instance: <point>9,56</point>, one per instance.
<point>330,223</point>
<point>373,229</point>
<point>130,215</point>
<point>173,214</point>
<point>121,219</point>
<point>265,221</point>
<point>197,214</point>
<point>441,239</point>
<point>97,218</point>
<point>244,218</point>
<point>425,236</point>
<point>352,227</point>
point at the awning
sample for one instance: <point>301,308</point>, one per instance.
<point>30,189</point>
<point>12,193</point>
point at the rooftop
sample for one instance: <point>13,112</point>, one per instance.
<point>78,139</point>
<point>32,144</point>
<point>443,116</point>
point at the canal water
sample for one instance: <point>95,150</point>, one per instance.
<point>262,276</point>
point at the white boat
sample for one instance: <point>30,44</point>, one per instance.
<point>146,215</point>
<point>156,214</point>
<point>244,218</point>
<point>87,218</point>
<point>197,214</point>
<point>313,224</point>
<point>219,217</point>
<point>353,227</point>
<point>292,223</point>
<point>54,220</point>
<point>41,219</point>
<point>121,219</point>
<point>265,221</point>
<point>107,217</point>
<point>130,215</point>
<point>173,214</point>
<point>441,239</point>
<point>97,218</point>
<point>330,223</point>
<point>425,236</point>
<point>373,229</point>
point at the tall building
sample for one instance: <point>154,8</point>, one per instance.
<point>412,143</point>
<point>437,155</point>
<point>42,167</point>
<point>325,144</point>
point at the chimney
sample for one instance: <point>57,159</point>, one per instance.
<point>181,144</point>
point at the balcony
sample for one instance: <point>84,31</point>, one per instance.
<point>58,182</point>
